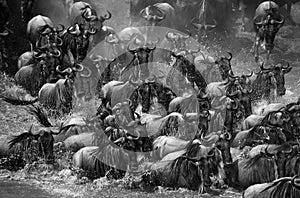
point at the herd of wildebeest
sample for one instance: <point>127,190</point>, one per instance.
<point>175,115</point>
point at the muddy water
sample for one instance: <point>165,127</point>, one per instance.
<point>15,189</point>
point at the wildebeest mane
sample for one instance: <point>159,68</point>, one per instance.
<point>39,114</point>
<point>17,101</point>
<point>252,161</point>
<point>280,188</point>
<point>20,138</point>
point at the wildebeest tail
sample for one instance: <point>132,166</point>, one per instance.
<point>17,101</point>
<point>39,114</point>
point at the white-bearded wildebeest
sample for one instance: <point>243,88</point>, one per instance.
<point>282,187</point>
<point>267,22</point>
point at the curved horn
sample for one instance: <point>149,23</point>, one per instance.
<point>294,183</point>
<point>129,101</point>
<point>230,56</point>
<point>132,51</point>
<point>138,136</point>
<point>249,75</point>
<point>236,104</point>
<point>106,16</point>
<point>211,155</point>
<point>59,42</point>
<point>56,54</point>
<point>113,40</point>
<point>287,69</point>
<point>4,33</point>
<point>86,75</point>
<point>92,31</point>
<point>267,152</point>
<point>74,30</point>
<point>279,22</point>
<point>81,67</point>
<point>68,70</point>
<point>264,69</point>
<point>39,55</point>
<point>44,30</point>
<point>228,136</point>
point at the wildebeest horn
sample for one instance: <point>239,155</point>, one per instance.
<point>267,152</point>
<point>287,69</point>
<point>89,72</point>
<point>106,16</point>
<point>56,54</point>
<point>113,40</point>
<point>39,55</point>
<point>68,70</point>
<point>132,51</point>
<point>236,104</point>
<point>249,75</point>
<point>44,30</point>
<point>74,30</point>
<point>4,33</point>
<point>195,51</point>
<point>171,36</point>
<point>230,56</point>
<point>227,136</point>
<point>138,136</point>
<point>129,101</point>
<point>59,42</point>
<point>87,15</point>
<point>295,183</point>
<point>279,22</point>
<point>212,153</point>
<point>264,69</point>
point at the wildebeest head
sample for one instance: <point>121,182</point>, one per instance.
<point>213,156</point>
<point>224,66</point>
<point>44,138</point>
<point>267,29</point>
<point>87,16</point>
<point>71,72</point>
<point>264,83</point>
<point>223,144</point>
<point>82,41</point>
<point>279,71</point>
<point>153,15</point>
<point>142,55</point>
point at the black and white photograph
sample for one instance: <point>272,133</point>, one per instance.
<point>149,98</point>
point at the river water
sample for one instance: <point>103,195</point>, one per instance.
<point>15,189</point>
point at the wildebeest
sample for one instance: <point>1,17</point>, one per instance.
<point>45,140</point>
<point>33,76</point>
<point>282,187</point>
<point>59,95</point>
<point>190,170</point>
<point>145,94</point>
<point>38,28</point>
<point>186,75</point>
<point>83,14</point>
<point>76,40</point>
<point>246,171</point>
<point>269,79</point>
<point>99,162</point>
<point>267,22</point>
